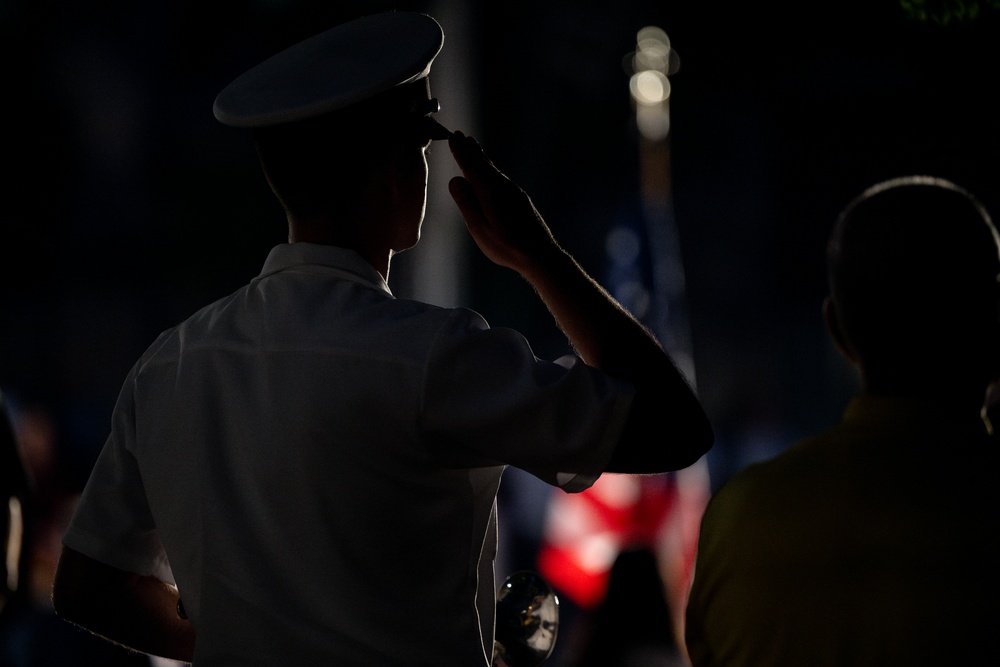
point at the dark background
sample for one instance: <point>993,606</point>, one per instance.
<point>126,205</point>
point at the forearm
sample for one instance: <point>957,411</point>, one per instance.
<point>602,332</point>
<point>147,620</point>
<point>138,612</point>
<point>608,337</point>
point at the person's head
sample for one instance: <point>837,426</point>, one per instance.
<point>359,165</point>
<point>341,122</point>
<point>913,266</point>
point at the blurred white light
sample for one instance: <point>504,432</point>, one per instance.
<point>652,62</point>
<point>649,87</point>
<point>618,491</point>
<point>14,538</point>
<point>597,552</point>
<point>652,34</point>
<point>653,121</point>
<point>652,49</point>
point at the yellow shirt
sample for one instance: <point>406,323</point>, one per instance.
<point>874,543</point>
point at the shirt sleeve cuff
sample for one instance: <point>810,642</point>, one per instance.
<point>572,482</point>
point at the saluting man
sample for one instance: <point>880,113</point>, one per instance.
<point>311,465</point>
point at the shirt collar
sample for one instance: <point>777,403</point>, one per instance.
<point>344,262</point>
<point>912,414</point>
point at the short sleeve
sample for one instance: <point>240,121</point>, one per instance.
<point>489,400</point>
<point>112,522</point>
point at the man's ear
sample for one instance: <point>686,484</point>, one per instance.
<point>834,327</point>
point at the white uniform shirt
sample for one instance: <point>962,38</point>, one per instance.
<point>315,463</point>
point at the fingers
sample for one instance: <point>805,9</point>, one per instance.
<point>468,191</point>
<point>460,144</point>
<point>461,149</point>
<point>471,159</point>
<point>465,198</point>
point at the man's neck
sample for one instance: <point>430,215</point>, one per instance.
<point>342,237</point>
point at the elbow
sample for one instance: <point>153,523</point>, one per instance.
<point>698,440</point>
<point>72,592</point>
<point>69,604</point>
<point>684,450</point>
<point>693,435</point>
<point>655,441</point>
<point>67,596</point>
<point>703,438</point>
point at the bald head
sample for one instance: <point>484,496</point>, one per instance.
<point>912,267</point>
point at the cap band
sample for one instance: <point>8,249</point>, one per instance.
<point>336,69</point>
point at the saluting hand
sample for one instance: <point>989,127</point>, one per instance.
<point>498,213</point>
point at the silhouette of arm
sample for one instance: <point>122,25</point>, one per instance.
<point>667,428</point>
<point>138,612</point>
